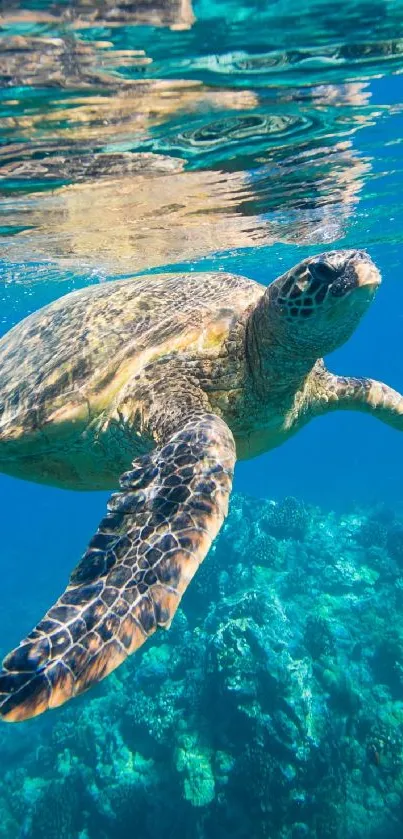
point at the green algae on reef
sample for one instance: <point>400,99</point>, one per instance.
<point>273,708</point>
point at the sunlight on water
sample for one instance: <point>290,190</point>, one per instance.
<point>126,145</point>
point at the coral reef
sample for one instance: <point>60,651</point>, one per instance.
<point>272,709</point>
<point>287,519</point>
<point>394,543</point>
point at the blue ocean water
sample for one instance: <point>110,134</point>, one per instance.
<point>233,136</point>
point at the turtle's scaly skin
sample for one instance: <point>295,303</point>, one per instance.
<point>184,373</point>
<point>131,578</point>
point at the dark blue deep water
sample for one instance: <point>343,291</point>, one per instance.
<point>242,136</point>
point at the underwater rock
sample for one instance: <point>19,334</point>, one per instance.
<point>318,637</point>
<point>387,662</point>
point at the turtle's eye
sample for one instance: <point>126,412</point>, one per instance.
<point>322,272</point>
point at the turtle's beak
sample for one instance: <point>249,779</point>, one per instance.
<point>365,270</point>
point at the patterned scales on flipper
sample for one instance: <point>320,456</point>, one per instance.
<point>158,529</point>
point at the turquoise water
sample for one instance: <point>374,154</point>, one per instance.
<point>241,137</point>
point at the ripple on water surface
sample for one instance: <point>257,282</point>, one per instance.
<point>140,135</point>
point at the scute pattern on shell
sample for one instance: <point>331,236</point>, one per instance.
<point>66,368</point>
<point>75,346</point>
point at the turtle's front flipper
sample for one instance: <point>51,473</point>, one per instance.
<point>158,529</point>
<point>367,395</point>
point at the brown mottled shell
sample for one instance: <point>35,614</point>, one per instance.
<point>65,365</point>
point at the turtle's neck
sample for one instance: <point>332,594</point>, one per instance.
<point>277,365</point>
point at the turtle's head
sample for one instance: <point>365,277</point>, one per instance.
<point>316,306</point>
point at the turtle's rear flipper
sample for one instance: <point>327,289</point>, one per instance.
<point>158,529</point>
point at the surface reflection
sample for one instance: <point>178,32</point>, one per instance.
<point>154,212</point>
<point>140,134</point>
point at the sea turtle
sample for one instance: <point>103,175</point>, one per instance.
<point>184,373</point>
